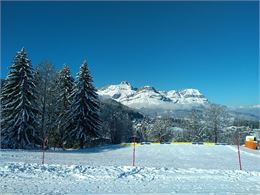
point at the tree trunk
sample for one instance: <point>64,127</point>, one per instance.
<point>82,143</point>
<point>216,135</point>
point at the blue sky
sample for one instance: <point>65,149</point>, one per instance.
<point>211,46</point>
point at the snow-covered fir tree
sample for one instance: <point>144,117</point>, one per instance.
<point>19,109</point>
<point>64,88</point>
<point>65,84</point>
<point>83,116</point>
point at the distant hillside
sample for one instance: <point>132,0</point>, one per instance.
<point>110,104</point>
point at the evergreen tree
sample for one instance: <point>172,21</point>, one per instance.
<point>83,116</point>
<point>65,85</point>
<point>19,108</point>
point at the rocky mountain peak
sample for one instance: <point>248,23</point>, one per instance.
<point>149,97</point>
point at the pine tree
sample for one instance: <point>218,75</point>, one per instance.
<point>83,118</point>
<point>19,108</point>
<point>64,85</point>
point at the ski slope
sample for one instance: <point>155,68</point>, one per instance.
<point>159,169</point>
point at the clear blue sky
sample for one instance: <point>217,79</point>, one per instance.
<point>211,46</point>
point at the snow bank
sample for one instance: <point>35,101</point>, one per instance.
<point>113,171</point>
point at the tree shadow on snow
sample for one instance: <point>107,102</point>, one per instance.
<point>96,149</point>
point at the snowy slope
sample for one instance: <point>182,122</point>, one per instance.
<point>149,97</point>
<point>107,169</point>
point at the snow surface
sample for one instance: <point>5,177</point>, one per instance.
<point>160,169</point>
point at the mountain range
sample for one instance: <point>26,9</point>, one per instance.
<point>148,98</point>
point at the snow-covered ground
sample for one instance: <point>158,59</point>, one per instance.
<point>159,169</point>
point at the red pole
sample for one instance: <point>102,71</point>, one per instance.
<point>134,149</point>
<point>238,151</point>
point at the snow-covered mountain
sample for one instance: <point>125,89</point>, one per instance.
<point>149,97</point>
<point>178,103</point>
